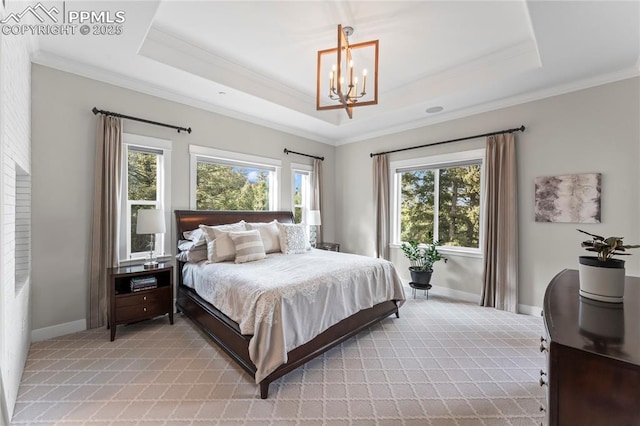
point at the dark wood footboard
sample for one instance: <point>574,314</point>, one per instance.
<point>226,333</point>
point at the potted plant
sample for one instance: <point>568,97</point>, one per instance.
<point>422,260</point>
<point>602,276</point>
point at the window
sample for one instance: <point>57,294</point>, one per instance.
<point>222,180</point>
<point>146,173</point>
<point>301,190</point>
<point>439,199</point>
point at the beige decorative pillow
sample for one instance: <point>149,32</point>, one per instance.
<point>248,246</point>
<point>269,233</point>
<point>293,238</point>
<point>220,247</point>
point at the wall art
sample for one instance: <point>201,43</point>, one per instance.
<point>568,198</point>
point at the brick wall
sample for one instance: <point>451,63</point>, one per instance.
<point>15,153</point>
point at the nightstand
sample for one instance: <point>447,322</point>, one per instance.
<point>149,295</point>
<point>323,245</point>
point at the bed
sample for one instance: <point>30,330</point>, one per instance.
<point>231,334</point>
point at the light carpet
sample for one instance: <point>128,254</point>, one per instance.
<point>443,362</point>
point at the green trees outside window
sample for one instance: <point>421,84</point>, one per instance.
<point>142,192</point>
<point>441,201</point>
<point>225,187</point>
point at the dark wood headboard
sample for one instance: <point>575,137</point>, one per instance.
<point>187,220</point>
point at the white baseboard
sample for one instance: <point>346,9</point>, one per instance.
<point>530,310</point>
<point>472,297</point>
<point>455,294</point>
<point>46,333</point>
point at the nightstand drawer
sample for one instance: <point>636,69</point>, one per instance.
<point>143,297</point>
<point>142,311</point>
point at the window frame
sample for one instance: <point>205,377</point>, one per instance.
<point>163,197</point>
<point>434,162</point>
<point>307,200</point>
<point>197,152</point>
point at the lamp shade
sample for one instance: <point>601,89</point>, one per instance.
<point>150,221</point>
<point>313,217</point>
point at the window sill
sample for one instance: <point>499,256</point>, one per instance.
<point>451,251</point>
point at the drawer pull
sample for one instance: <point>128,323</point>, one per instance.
<point>542,382</point>
<point>542,409</point>
<point>543,348</point>
<point>542,339</point>
<point>144,297</point>
<point>542,373</point>
<point>144,309</point>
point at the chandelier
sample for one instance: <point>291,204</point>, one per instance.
<point>343,71</point>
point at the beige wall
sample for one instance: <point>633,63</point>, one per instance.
<point>592,130</point>
<point>63,158</point>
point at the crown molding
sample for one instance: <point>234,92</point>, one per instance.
<point>84,70</point>
<point>500,104</point>
<point>513,59</point>
<point>120,80</point>
<point>169,49</point>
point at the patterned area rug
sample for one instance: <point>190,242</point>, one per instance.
<point>443,362</point>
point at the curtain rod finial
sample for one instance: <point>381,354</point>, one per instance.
<point>286,151</point>
<point>95,110</point>
<point>189,130</point>
<point>522,128</point>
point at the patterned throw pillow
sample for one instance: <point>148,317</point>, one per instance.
<point>248,246</point>
<point>293,238</point>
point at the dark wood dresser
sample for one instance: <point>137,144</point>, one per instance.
<point>593,355</point>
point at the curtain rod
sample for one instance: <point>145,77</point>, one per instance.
<point>128,117</point>
<point>286,151</point>
<point>517,129</point>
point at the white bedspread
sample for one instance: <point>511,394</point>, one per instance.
<point>286,300</point>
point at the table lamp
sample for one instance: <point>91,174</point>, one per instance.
<point>313,220</point>
<point>151,221</point>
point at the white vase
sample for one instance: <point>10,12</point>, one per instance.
<point>604,282</point>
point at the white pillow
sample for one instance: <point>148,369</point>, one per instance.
<point>220,247</point>
<point>196,235</point>
<point>293,238</point>
<point>193,254</point>
<point>269,233</point>
<point>184,245</point>
<point>248,246</point>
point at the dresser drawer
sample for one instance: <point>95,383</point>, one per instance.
<point>143,297</point>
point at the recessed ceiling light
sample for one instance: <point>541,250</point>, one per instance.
<point>434,109</point>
